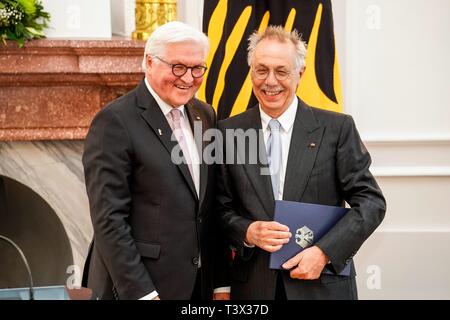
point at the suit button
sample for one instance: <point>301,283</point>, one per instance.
<point>199,220</point>
<point>195,261</point>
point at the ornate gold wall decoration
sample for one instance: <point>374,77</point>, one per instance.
<point>150,14</point>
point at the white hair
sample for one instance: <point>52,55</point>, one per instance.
<point>173,32</point>
<point>280,34</point>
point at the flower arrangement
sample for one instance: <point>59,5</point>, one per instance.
<point>22,20</point>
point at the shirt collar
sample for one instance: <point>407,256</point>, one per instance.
<point>165,107</point>
<point>286,119</point>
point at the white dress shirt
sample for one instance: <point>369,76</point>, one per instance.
<point>287,120</point>
<point>287,123</point>
<point>187,132</point>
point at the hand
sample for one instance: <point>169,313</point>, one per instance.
<point>268,235</point>
<point>221,296</point>
<point>156,298</point>
<point>308,264</point>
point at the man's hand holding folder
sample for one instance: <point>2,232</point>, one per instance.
<point>308,223</point>
<point>308,264</point>
<point>268,235</point>
<point>271,236</point>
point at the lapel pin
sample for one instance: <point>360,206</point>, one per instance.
<point>197,117</point>
<point>311,145</point>
<point>159,131</point>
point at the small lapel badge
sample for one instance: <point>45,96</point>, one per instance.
<point>197,117</point>
<point>312,145</point>
<point>159,131</point>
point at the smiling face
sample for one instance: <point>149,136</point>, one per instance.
<point>175,91</point>
<point>274,57</point>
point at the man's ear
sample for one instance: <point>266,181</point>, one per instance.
<point>148,61</point>
<point>302,71</point>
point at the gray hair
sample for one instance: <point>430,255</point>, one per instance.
<point>173,32</point>
<point>278,33</point>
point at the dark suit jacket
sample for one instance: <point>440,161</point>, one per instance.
<point>334,170</point>
<point>149,224</point>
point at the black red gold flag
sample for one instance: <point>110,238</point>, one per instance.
<point>229,23</point>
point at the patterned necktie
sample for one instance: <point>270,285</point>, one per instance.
<point>274,155</point>
<point>178,132</point>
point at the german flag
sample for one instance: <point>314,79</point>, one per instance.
<point>228,24</point>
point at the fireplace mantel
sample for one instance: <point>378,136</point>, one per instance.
<point>51,89</point>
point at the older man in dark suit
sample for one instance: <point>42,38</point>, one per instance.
<point>320,159</point>
<point>150,194</point>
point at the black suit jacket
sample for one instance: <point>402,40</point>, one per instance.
<point>327,164</point>
<point>149,224</point>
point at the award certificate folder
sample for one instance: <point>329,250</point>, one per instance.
<point>308,223</point>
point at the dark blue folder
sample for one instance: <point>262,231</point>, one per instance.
<point>308,223</point>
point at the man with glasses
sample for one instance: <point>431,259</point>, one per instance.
<point>150,194</point>
<point>314,156</point>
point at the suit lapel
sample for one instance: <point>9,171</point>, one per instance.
<point>196,117</point>
<point>305,142</point>
<point>258,173</point>
<point>157,121</point>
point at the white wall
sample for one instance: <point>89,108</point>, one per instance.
<point>78,18</point>
<point>396,67</point>
<point>122,17</point>
<point>191,12</point>
<point>397,53</point>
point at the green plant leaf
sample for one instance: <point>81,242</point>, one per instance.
<point>30,26</point>
<point>28,6</point>
<point>10,35</point>
<point>35,32</point>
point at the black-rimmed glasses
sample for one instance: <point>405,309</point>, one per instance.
<point>180,70</point>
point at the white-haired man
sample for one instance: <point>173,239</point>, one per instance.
<point>319,158</point>
<point>154,235</point>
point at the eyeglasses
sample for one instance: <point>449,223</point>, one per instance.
<point>263,73</point>
<point>180,70</point>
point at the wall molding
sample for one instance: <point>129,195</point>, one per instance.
<point>412,230</point>
<point>410,171</point>
<point>443,138</point>
<point>409,156</point>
